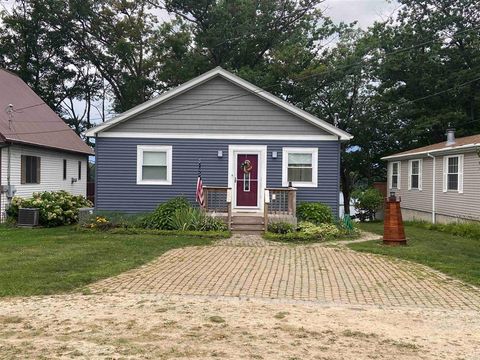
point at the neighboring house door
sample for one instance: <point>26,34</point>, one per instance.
<point>247,180</point>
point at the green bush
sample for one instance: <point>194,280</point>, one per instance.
<point>55,208</point>
<point>316,213</point>
<point>280,227</point>
<point>320,231</point>
<point>161,217</point>
<point>190,219</point>
<point>367,203</point>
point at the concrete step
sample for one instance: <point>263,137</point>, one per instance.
<point>247,227</point>
<point>248,220</point>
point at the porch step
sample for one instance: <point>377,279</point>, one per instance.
<point>248,224</point>
<point>247,227</point>
<point>248,220</point>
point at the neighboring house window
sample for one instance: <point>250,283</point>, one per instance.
<point>64,169</point>
<point>415,174</point>
<point>154,165</point>
<point>79,170</point>
<point>395,175</point>
<point>300,167</point>
<point>30,169</point>
<point>453,173</point>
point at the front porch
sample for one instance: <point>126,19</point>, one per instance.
<point>278,204</point>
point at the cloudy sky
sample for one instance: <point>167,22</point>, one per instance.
<point>365,12</point>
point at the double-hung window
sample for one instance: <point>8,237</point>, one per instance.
<point>395,175</point>
<point>300,167</point>
<point>453,173</point>
<point>415,174</point>
<point>30,169</point>
<point>154,165</point>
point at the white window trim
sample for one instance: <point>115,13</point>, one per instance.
<point>140,150</point>
<point>460,173</point>
<point>314,152</point>
<point>420,171</point>
<point>399,175</point>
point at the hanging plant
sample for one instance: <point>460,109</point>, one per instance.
<point>246,166</point>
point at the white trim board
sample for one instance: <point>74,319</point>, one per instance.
<point>261,150</point>
<point>443,151</point>
<point>218,71</point>
<point>159,148</point>
<point>142,135</point>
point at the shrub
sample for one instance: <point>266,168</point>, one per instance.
<point>367,203</point>
<point>280,227</point>
<point>320,231</point>
<point>161,217</point>
<point>316,213</point>
<point>55,208</point>
<point>190,219</point>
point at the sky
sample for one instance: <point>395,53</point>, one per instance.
<point>365,12</point>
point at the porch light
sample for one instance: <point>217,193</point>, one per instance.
<point>274,154</point>
<point>220,153</point>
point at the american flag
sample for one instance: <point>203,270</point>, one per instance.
<point>199,194</point>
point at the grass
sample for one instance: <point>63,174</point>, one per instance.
<point>458,256</point>
<point>57,260</point>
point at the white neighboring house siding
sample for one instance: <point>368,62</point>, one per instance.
<point>51,172</point>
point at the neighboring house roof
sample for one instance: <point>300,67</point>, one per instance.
<point>461,144</point>
<point>32,121</point>
<point>218,71</point>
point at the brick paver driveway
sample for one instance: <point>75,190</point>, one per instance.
<point>253,268</point>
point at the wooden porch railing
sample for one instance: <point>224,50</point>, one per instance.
<point>280,201</point>
<point>218,199</point>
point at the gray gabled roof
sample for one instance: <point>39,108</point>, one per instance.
<point>344,136</point>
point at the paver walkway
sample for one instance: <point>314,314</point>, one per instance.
<point>252,267</point>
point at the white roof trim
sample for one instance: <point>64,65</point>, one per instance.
<point>445,150</point>
<point>233,78</point>
<point>146,135</point>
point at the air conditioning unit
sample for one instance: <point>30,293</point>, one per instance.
<point>84,214</point>
<point>28,217</point>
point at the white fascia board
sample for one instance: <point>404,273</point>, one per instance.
<point>342,135</point>
<point>216,136</point>
<point>446,150</point>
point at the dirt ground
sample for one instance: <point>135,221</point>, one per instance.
<point>152,326</point>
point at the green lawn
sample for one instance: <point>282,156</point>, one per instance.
<point>457,256</point>
<point>48,261</point>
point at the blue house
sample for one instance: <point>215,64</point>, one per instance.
<point>259,154</point>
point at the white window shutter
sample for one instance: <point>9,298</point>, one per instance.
<point>410,175</point>
<point>460,174</point>
<point>445,173</point>
<point>420,174</point>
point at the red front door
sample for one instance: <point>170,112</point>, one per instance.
<point>247,180</point>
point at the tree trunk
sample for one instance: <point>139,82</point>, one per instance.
<point>346,187</point>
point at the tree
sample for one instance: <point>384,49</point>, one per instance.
<point>442,42</point>
<point>34,44</point>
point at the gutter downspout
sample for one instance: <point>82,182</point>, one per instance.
<point>433,186</point>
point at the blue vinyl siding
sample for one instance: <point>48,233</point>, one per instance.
<point>117,190</point>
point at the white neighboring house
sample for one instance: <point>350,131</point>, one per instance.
<point>38,151</point>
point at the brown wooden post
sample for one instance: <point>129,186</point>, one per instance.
<point>266,201</point>
<point>205,198</point>
<point>229,208</point>
<point>293,201</point>
<point>393,231</point>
